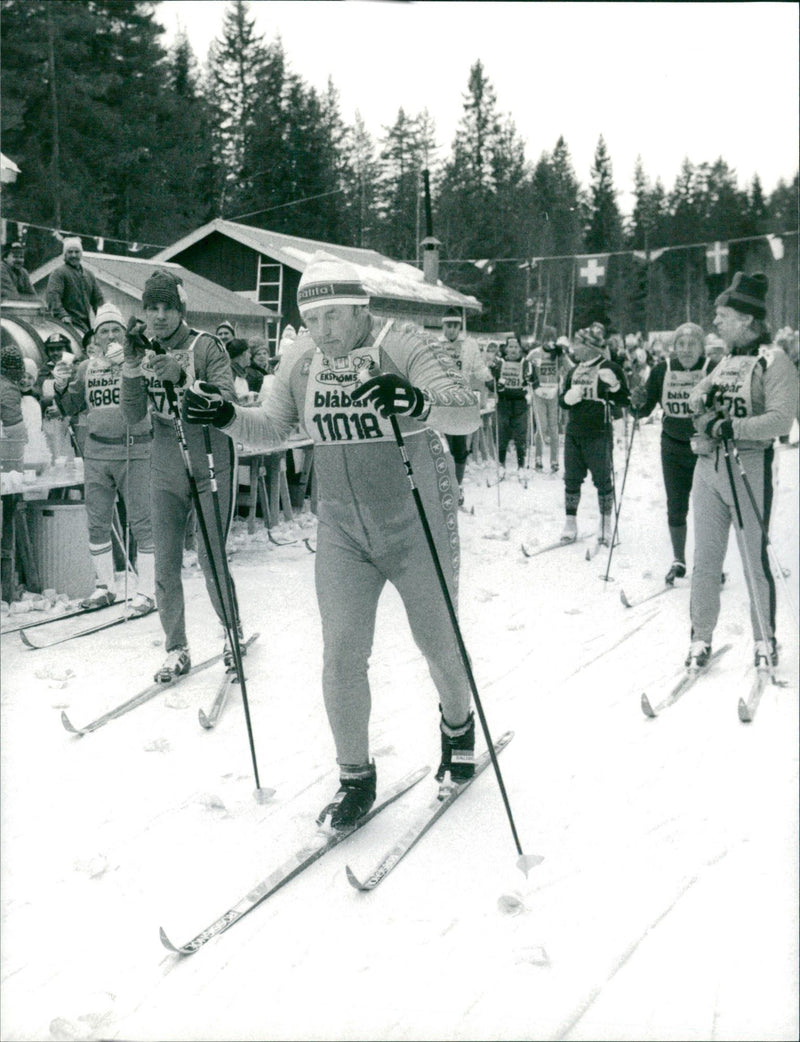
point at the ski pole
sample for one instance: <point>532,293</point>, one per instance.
<point>619,501</point>
<point>169,390</point>
<point>525,861</point>
<point>765,531</point>
<point>745,555</point>
<point>233,625</point>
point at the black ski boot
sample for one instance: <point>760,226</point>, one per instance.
<point>458,750</point>
<point>354,799</point>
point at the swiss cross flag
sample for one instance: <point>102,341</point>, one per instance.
<point>592,270</point>
<point>717,258</point>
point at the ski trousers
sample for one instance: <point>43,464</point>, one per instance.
<point>545,411</point>
<point>351,569</point>
<point>512,425</point>
<point>714,512</point>
<point>677,466</point>
<point>588,451</point>
<point>171,505</point>
<point>103,480</point>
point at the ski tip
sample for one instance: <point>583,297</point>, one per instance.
<point>204,720</point>
<point>167,942</point>
<point>624,599</point>
<point>68,725</point>
<point>309,547</point>
<point>525,862</point>
<point>352,879</point>
<point>647,709</point>
<point>23,636</point>
<point>523,548</point>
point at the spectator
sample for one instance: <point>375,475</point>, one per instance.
<point>715,349</point>
<point>58,430</point>
<point>116,462</point>
<point>73,294</point>
<point>16,283</point>
<point>225,332</point>
<point>239,353</point>
<point>37,452</point>
<point>259,363</point>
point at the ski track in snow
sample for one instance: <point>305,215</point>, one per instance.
<point>667,903</point>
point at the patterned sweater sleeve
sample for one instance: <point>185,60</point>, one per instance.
<point>452,407</point>
<point>270,423</point>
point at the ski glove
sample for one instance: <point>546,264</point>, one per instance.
<point>391,395</point>
<point>136,343</point>
<point>203,403</point>
<point>573,395</point>
<point>719,427</point>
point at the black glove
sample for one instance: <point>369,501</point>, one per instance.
<point>204,403</point>
<point>719,427</point>
<point>136,343</point>
<point>391,395</point>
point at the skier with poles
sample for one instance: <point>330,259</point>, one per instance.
<point>591,391</point>
<point>153,371</point>
<point>369,531</point>
<point>548,361</point>
<point>748,400</point>
<point>669,385</point>
<point>513,375</point>
<point>116,460</point>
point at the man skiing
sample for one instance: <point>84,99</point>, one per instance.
<point>369,531</point>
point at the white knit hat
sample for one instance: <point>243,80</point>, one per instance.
<point>73,240</point>
<point>108,313</point>
<point>329,280</point>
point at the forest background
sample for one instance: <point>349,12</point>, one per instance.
<point>135,144</point>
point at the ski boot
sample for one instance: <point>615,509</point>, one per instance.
<point>677,571</point>
<point>765,653</point>
<point>354,798</point>
<point>228,657</point>
<point>570,533</point>
<point>554,468</point>
<point>538,465</point>
<point>175,665</point>
<point>458,750</point>
<point>139,605</point>
<point>699,654</point>
<point>101,597</point>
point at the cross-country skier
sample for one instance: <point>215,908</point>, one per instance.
<point>513,375</point>
<point>591,392</point>
<point>116,460</point>
<point>750,398</point>
<point>176,356</point>
<point>669,385</point>
<point>369,529</point>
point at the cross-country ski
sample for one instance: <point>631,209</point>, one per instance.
<point>634,602</point>
<point>210,719</point>
<point>321,844</point>
<point>686,680</point>
<point>115,615</point>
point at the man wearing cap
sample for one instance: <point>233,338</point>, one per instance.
<point>72,291</point>
<point>750,398</point>
<point>369,529</point>
<point>225,332</point>
<point>116,461</point>
<point>16,283</point>
<point>466,358</point>
<point>167,363</point>
<point>591,391</point>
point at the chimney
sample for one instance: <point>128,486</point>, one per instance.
<point>430,260</point>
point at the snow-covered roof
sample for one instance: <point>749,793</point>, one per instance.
<point>382,276</point>
<point>129,274</point>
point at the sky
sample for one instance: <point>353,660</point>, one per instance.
<point>661,80</point>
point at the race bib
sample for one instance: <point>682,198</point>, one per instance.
<point>102,386</point>
<point>548,372</point>
<point>586,378</point>
<point>676,390</point>
<point>734,377</point>
<point>331,416</point>
<point>155,389</point>
<point>511,374</point>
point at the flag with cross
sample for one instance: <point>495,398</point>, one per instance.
<point>592,269</point>
<point>717,258</point>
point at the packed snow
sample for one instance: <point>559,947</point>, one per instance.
<point>666,906</point>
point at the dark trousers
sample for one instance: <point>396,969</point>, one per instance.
<point>512,425</point>
<point>677,465</point>
<point>586,452</point>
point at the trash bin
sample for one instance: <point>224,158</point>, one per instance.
<point>61,547</point>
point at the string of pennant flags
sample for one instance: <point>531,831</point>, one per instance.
<point>592,268</point>
<point>60,234</point>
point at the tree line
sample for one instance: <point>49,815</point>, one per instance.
<point>119,136</point>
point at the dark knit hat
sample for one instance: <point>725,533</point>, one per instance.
<point>747,293</point>
<point>10,246</point>
<point>237,347</point>
<point>163,287</point>
<point>11,364</point>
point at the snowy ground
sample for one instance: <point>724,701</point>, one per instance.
<point>667,903</point>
